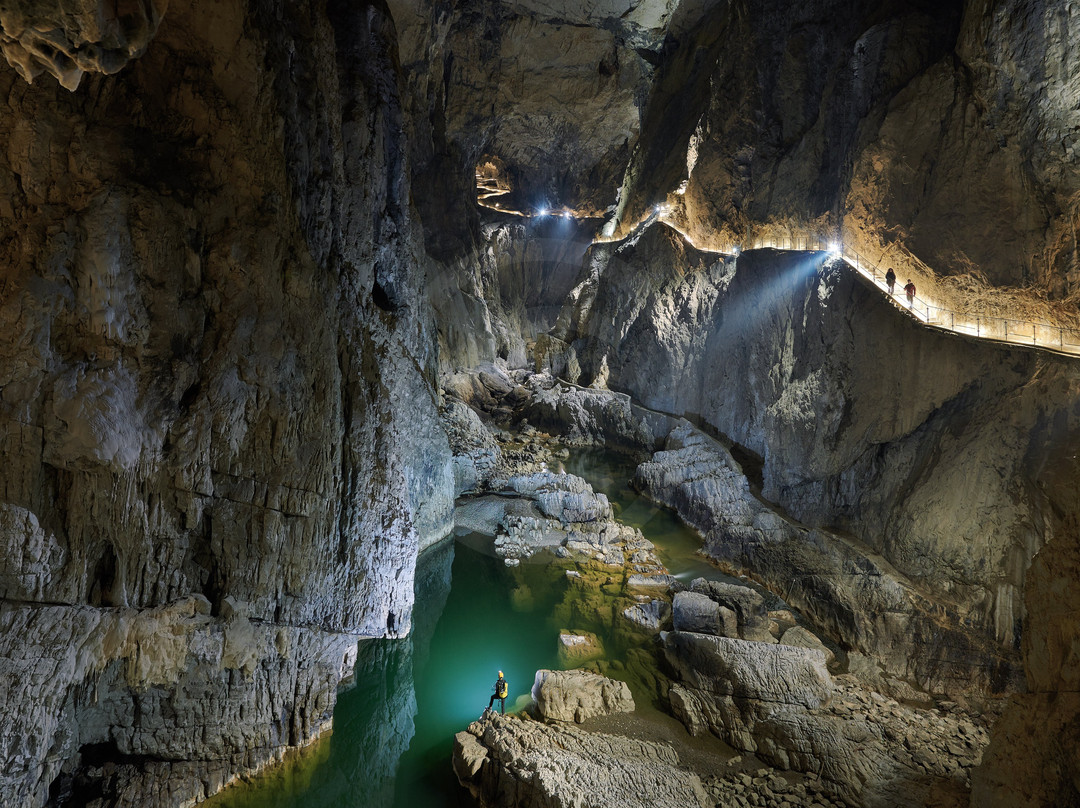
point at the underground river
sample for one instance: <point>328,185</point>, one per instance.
<point>473,616</point>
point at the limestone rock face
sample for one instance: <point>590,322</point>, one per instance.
<point>68,38</point>
<point>740,605</point>
<point>692,611</point>
<point>861,599</point>
<point>781,704</point>
<point>799,637</point>
<point>525,81</point>
<point>508,762</point>
<point>909,127</point>
<point>650,615</point>
<point>475,452</point>
<point>1032,754</point>
<point>564,497</point>
<point>787,358</point>
<point>215,388</point>
<point>750,670</point>
<point>579,695</point>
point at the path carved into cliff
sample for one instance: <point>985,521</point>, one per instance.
<point>1038,334</point>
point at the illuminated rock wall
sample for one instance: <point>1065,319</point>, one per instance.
<point>221,453</point>
<point>947,130</point>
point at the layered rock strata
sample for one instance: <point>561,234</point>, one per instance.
<point>512,762</point>
<point>222,452</point>
<point>780,703</point>
<point>860,599</point>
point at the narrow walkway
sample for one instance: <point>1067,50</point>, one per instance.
<point>1037,334</point>
<point>1031,333</point>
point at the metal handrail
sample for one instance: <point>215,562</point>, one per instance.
<point>1024,332</point>
<point>1035,333</point>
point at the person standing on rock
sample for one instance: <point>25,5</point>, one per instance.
<point>909,290</point>
<point>890,280</point>
<point>501,689</point>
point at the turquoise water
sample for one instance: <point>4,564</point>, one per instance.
<point>393,731</point>
<point>609,473</point>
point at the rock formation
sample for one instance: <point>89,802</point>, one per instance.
<point>509,762</point>
<point>68,40</point>
<point>781,703</point>
<point>222,452</point>
<point>579,695</point>
<point>787,360</point>
<point>242,241</point>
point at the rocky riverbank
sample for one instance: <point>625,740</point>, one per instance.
<point>846,730</point>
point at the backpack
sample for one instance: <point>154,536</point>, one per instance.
<point>501,688</point>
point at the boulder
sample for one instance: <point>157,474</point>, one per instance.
<point>799,637</point>
<point>650,616</point>
<point>563,496</point>
<point>747,604</point>
<point>749,670</point>
<point>528,764</point>
<point>692,611</point>
<point>579,695</point>
<point>638,580</point>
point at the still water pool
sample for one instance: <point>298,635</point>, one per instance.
<point>393,731</point>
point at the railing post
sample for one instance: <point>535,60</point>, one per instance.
<point>978,327</point>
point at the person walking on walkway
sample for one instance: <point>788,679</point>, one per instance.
<point>501,689</point>
<point>890,280</point>
<point>909,290</point>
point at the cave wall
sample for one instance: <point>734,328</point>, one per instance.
<point>942,131</point>
<point>554,90</point>
<point>928,447</point>
<point>221,448</point>
<point>951,458</point>
<point>906,130</point>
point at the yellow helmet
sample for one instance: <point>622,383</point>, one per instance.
<point>500,675</point>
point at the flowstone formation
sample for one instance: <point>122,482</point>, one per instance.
<point>221,446</point>
<point>68,40</point>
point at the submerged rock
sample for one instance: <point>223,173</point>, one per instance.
<point>576,649</point>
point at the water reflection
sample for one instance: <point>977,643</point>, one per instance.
<point>393,731</point>
<point>358,766</point>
